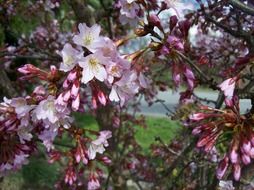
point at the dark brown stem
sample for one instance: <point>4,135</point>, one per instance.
<point>243,7</point>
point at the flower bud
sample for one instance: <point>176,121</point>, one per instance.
<point>72,75</point>
<point>76,103</point>
<point>75,89</point>
<point>234,156</point>
<point>102,98</point>
<point>237,171</point>
<point>154,20</point>
<point>246,159</point>
<point>67,96</point>
<point>173,21</point>
<point>222,167</point>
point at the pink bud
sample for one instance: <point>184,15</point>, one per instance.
<point>155,20</point>
<point>196,130</point>
<point>246,146</point>
<point>28,69</point>
<point>67,96</point>
<point>75,89</point>
<point>246,159</point>
<point>102,98</point>
<point>222,167</point>
<point>237,171</point>
<point>251,153</point>
<point>106,160</point>
<point>76,103</point>
<point>53,70</point>
<point>204,140</point>
<point>197,116</point>
<point>66,84</point>
<point>173,21</point>
<point>229,102</point>
<point>39,90</point>
<point>72,75</point>
<point>233,156</point>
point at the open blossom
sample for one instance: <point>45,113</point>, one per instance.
<point>125,88</point>
<point>228,87</point>
<point>70,58</point>
<point>88,37</point>
<point>129,11</point>
<point>93,67</point>
<point>97,146</point>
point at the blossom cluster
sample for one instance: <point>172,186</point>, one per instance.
<point>211,124</point>
<point>100,63</point>
<point>92,61</point>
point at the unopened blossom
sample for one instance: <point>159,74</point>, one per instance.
<point>88,37</point>
<point>70,175</point>
<point>210,126</point>
<point>93,182</point>
<point>98,145</point>
<point>70,58</point>
<point>93,67</point>
<point>81,153</point>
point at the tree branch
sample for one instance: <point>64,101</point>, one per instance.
<point>243,7</point>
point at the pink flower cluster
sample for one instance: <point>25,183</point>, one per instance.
<point>103,63</point>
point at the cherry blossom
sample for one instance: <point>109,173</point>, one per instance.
<point>88,37</point>
<point>125,88</point>
<point>97,146</point>
<point>93,67</point>
<point>70,58</point>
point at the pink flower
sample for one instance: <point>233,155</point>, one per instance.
<point>47,110</point>
<point>93,67</point>
<point>228,87</point>
<point>128,12</point>
<point>125,88</point>
<point>97,146</point>
<point>88,37</point>
<point>70,58</point>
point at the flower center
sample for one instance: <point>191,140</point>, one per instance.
<point>68,60</point>
<point>94,63</point>
<point>88,39</point>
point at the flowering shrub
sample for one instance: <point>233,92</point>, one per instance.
<point>95,68</point>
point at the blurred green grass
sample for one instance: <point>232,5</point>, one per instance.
<point>161,127</point>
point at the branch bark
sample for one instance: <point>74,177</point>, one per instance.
<point>243,7</point>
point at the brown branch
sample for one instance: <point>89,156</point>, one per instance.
<point>243,7</point>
